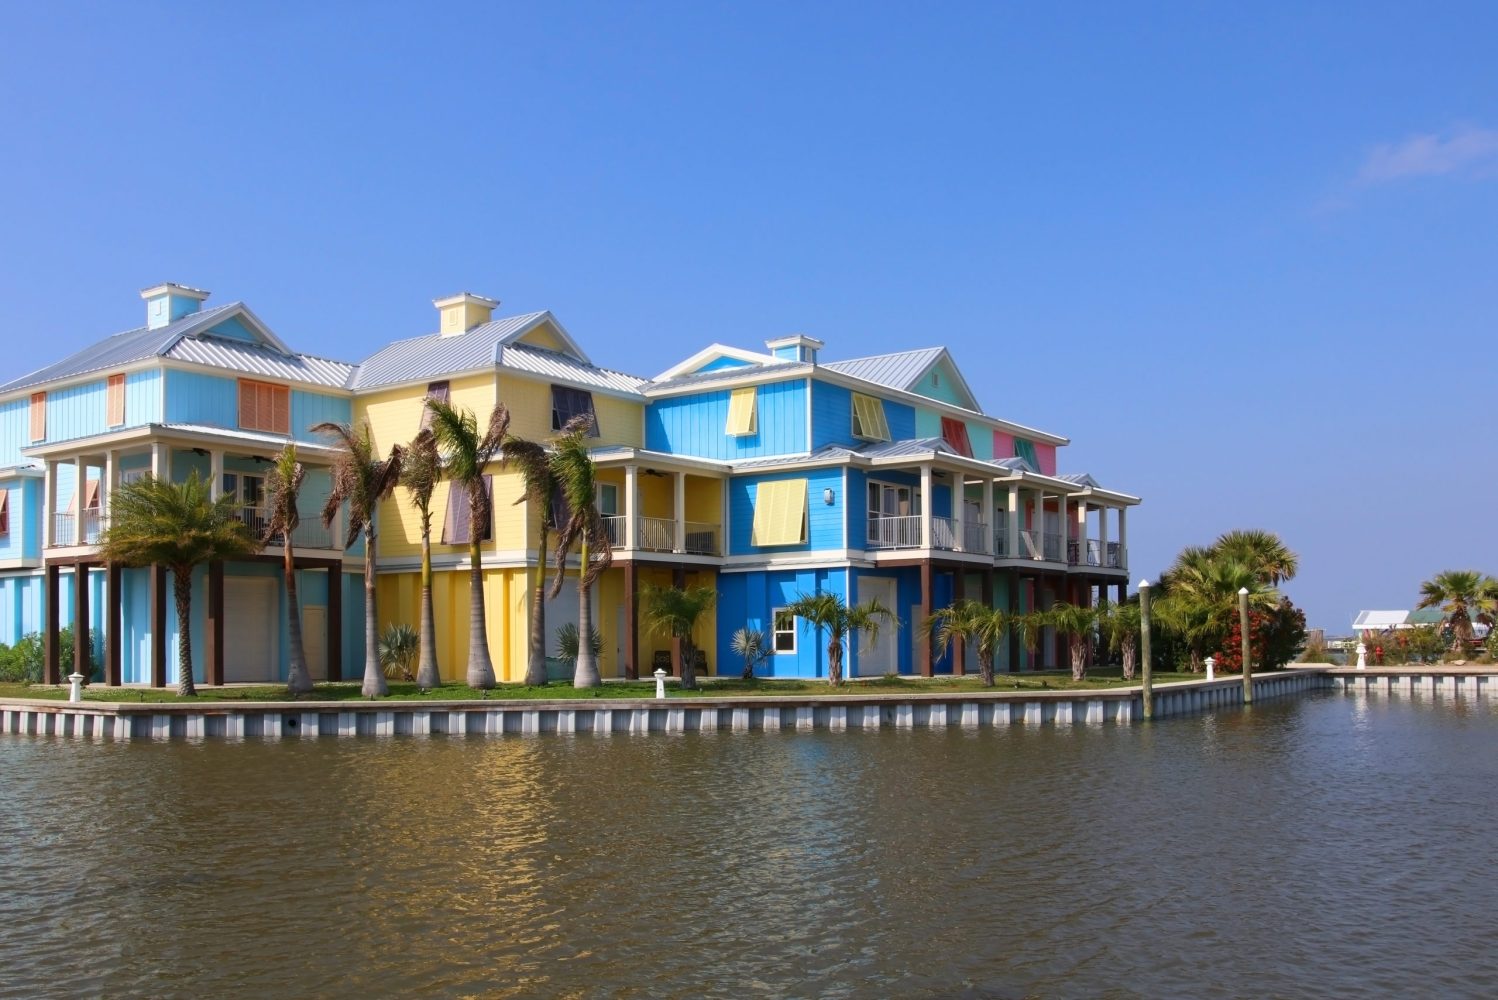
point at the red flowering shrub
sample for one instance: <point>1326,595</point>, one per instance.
<point>1274,637</point>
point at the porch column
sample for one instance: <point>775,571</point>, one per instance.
<point>52,658</point>
<point>1082,533</point>
<point>108,482</point>
<point>80,497</point>
<point>161,461</point>
<point>631,621</point>
<point>924,643</point>
<point>926,505</point>
<point>1011,523</point>
<point>115,621</point>
<point>631,508</point>
<point>989,521</point>
<point>215,473</point>
<point>1102,533</point>
<point>214,640</point>
<point>679,513</point>
<point>49,504</point>
<point>1037,522</point>
<point>158,625</point>
<point>335,621</point>
<point>81,645</point>
<point>1123,538</point>
<point>959,515</point>
<point>959,648</point>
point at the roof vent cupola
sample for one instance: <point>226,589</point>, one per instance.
<point>168,302</point>
<point>796,347</point>
<point>462,312</point>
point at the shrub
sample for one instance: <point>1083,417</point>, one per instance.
<point>1274,638</point>
<point>25,662</point>
<point>399,646</point>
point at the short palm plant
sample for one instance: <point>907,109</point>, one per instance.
<point>1075,622</point>
<point>1030,626</point>
<point>1120,624</point>
<point>974,622</point>
<point>420,474</point>
<point>753,646</point>
<point>399,646</point>
<point>828,613</point>
<point>361,479</point>
<point>282,488</point>
<point>674,612</point>
<point>179,526</point>
<point>1464,596</point>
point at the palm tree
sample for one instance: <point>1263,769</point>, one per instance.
<point>1463,595</point>
<point>534,463</point>
<point>673,612</point>
<point>1120,625</point>
<point>974,621</point>
<point>399,645</point>
<point>753,646</point>
<point>1030,626</point>
<point>419,475</point>
<point>1199,599</point>
<point>179,526</point>
<point>1268,558</point>
<point>827,612</point>
<point>574,471</point>
<point>282,486</point>
<point>1075,622</point>
<point>468,454</point>
<point>362,479</point>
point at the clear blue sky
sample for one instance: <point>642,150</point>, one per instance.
<point>1244,258</point>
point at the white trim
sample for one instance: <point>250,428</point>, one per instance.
<point>776,632</point>
<point>711,353</point>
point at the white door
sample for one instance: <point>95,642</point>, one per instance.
<point>250,631</point>
<point>315,641</point>
<point>881,655</point>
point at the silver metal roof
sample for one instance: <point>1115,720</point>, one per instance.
<point>898,371</point>
<point>255,359</point>
<point>728,374</point>
<point>550,364</point>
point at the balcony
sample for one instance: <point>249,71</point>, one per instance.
<point>1092,552</point>
<point>897,531</point>
<point>658,534</point>
<point>975,537</point>
<point>68,531</point>
<point>308,534</point>
<point>702,539</point>
<point>614,526</point>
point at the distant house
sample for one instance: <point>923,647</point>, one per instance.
<point>1384,621</point>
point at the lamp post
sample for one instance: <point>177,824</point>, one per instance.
<point>1211,669</point>
<point>1248,667</point>
<point>1144,649</point>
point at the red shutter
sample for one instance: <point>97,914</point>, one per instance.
<point>954,432</point>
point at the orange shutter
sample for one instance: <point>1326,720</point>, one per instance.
<point>115,400</point>
<point>280,421</point>
<point>38,416</point>
<point>91,495</point>
<point>248,409</point>
<point>4,512</point>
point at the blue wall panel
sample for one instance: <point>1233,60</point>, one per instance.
<point>825,523</point>
<point>694,425</point>
<point>311,408</point>
<point>195,398</point>
<point>15,431</point>
<point>755,595</point>
<point>832,417</point>
<point>75,412</point>
<point>143,398</point>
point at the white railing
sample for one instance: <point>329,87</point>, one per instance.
<point>975,537</point>
<point>614,524</point>
<point>1001,541</point>
<point>701,538</point>
<point>1029,544</point>
<point>943,533</point>
<point>308,534</point>
<point>1115,558</point>
<point>894,531</point>
<point>1053,546</point>
<point>657,534</point>
<point>66,529</point>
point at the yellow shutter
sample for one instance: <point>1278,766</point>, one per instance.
<point>741,411</point>
<point>868,418</point>
<point>780,513</point>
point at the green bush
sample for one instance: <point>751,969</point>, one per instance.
<point>24,662</point>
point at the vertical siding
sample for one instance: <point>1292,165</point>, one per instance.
<point>15,431</point>
<point>939,384</point>
<point>694,425</point>
<point>75,412</point>
<point>749,600</point>
<point>311,408</point>
<point>143,398</point>
<point>832,417</point>
<point>195,398</point>
<point>825,523</point>
<point>718,364</point>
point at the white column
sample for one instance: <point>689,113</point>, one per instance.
<point>1082,532</point>
<point>215,473</point>
<point>959,514</point>
<point>1037,523</point>
<point>1011,526</point>
<point>1102,532</point>
<point>161,463</point>
<point>49,502</point>
<point>108,482</point>
<point>679,488</point>
<point>926,492</point>
<point>631,506</point>
<point>989,521</point>
<point>1123,538</point>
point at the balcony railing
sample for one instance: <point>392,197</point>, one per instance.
<point>1114,558</point>
<point>1052,546</point>
<point>975,537</point>
<point>656,534</point>
<point>1029,543</point>
<point>943,533</point>
<point>702,539</point>
<point>899,531</point>
<point>1092,552</point>
<point>66,529</point>
<point>308,534</point>
<point>1001,541</point>
<point>614,524</point>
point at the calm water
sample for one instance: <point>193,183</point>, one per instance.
<point>1320,847</point>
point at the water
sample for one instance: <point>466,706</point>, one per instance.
<point>1321,846</point>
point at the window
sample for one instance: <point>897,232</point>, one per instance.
<point>38,416</point>
<point>868,418</point>
<point>785,631</point>
<point>954,432</point>
<point>780,513</point>
<point>4,512</point>
<point>264,407</point>
<point>893,501</point>
<point>456,525</point>
<point>608,499</point>
<point>439,391</point>
<point>114,397</point>
<point>1026,450</point>
<point>741,412</point>
<point>567,403</point>
<point>133,475</point>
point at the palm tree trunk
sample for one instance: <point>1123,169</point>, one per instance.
<point>1128,658</point>
<point>480,666</point>
<point>835,661</point>
<point>298,679</point>
<point>688,662</point>
<point>535,662</point>
<point>427,674</point>
<point>586,674</point>
<point>985,667</point>
<point>374,677</point>
<point>1077,646</point>
<point>182,593</point>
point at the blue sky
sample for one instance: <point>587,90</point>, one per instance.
<point>1245,258</point>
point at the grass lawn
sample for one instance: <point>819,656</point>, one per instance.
<point>710,686</point>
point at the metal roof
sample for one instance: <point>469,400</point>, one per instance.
<point>256,359</point>
<point>900,370</point>
<point>485,346</point>
<point>1379,619</point>
<point>121,349</point>
<point>728,374</point>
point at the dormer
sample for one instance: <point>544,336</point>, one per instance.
<point>462,312</point>
<point>168,302</point>
<point>796,347</point>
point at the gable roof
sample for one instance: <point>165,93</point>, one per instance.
<point>488,345</point>
<point>257,359</point>
<point>905,369</point>
<point>769,369</point>
<point>709,354</point>
<point>143,343</point>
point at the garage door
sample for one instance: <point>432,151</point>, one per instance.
<point>251,638</point>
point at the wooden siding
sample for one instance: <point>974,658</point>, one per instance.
<point>697,424</point>
<point>832,417</point>
<point>825,522</point>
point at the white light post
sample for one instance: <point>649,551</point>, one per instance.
<point>1211,668</point>
<point>1146,679</point>
<point>75,693</point>
<point>1362,657</point>
<point>660,683</point>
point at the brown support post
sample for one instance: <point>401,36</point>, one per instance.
<point>158,626</point>
<point>928,661</point>
<point>82,648</point>
<point>959,648</point>
<point>215,623</point>
<point>335,622</point>
<point>114,626</point>
<point>631,621</point>
<point>1015,663</point>
<point>52,665</point>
